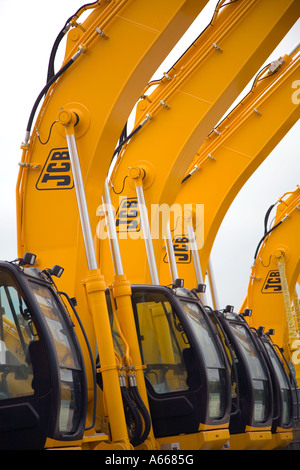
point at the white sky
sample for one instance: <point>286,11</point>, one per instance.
<point>28,30</point>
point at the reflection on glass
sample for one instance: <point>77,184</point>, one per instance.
<point>283,382</point>
<point>212,357</point>
<point>163,343</point>
<point>257,372</point>
<point>59,331</point>
<point>67,357</point>
<point>203,333</point>
<point>17,331</point>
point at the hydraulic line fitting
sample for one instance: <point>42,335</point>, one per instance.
<point>137,173</point>
<point>68,118</point>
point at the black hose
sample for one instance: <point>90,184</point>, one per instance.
<point>263,238</point>
<point>123,134</point>
<point>144,412</point>
<point>44,90</point>
<point>132,416</point>
<point>118,148</point>
<point>186,177</point>
<point>51,76</point>
<point>59,38</point>
<point>267,217</point>
<point>266,231</point>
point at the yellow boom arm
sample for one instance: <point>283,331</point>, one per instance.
<point>230,155</point>
<point>86,105</point>
<point>185,107</point>
<point>271,294</point>
<point>102,98</point>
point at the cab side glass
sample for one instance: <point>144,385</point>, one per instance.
<point>214,362</point>
<point>70,369</point>
<point>17,332</point>
<point>257,371</point>
<point>283,383</point>
<point>163,343</point>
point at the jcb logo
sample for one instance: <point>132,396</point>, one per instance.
<point>272,283</point>
<point>56,173</point>
<point>181,246</point>
<point>128,216</point>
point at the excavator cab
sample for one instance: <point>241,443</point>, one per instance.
<point>252,393</point>
<point>42,376</point>
<point>186,371</point>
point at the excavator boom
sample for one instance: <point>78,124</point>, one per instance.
<point>191,98</point>
<point>95,100</point>
<point>230,155</point>
<point>92,354</point>
<point>271,294</point>
<point>101,99</point>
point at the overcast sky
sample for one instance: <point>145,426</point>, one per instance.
<point>28,30</point>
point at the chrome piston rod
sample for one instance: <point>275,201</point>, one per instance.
<point>112,233</point>
<point>171,255</point>
<point>196,260</point>
<point>81,202</point>
<point>147,235</point>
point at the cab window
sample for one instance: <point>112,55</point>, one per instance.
<point>17,331</point>
<point>163,342</point>
<point>69,366</point>
<point>257,372</point>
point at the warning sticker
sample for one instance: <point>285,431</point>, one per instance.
<point>272,284</point>
<point>56,173</point>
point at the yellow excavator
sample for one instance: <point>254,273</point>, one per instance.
<point>272,291</point>
<point>129,218</point>
<point>228,150</point>
<point>89,360</point>
<point>111,29</point>
<point>191,98</point>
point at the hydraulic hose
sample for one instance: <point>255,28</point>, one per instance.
<point>61,35</point>
<point>132,416</point>
<point>267,217</point>
<point>44,90</point>
<point>266,231</point>
<point>51,76</point>
<point>144,412</point>
<point>265,235</point>
<point>58,40</point>
<point>124,137</point>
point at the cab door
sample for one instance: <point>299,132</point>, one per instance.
<point>186,375</point>
<point>25,379</point>
<point>38,395</point>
